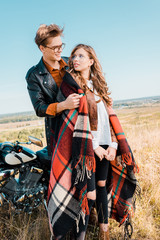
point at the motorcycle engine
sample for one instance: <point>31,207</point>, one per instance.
<point>21,187</point>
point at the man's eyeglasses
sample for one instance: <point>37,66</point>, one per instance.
<point>57,48</point>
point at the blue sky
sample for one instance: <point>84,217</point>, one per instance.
<point>124,33</point>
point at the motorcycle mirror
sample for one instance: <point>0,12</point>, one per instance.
<point>35,141</point>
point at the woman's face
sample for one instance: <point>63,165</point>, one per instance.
<point>81,60</point>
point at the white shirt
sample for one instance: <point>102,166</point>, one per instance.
<point>103,135</point>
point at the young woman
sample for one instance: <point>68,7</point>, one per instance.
<point>86,70</point>
<point>71,191</point>
<point>80,136</point>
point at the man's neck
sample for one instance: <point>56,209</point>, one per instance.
<point>53,64</point>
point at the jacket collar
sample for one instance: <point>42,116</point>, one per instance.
<point>43,70</point>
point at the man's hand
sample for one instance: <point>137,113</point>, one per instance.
<point>71,102</point>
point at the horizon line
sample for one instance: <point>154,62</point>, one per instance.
<point>120,100</point>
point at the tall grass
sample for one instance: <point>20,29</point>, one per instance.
<point>142,128</point>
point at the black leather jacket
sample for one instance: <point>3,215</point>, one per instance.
<point>43,91</point>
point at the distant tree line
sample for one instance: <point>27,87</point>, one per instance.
<point>19,118</point>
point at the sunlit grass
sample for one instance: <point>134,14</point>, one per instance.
<point>142,128</point>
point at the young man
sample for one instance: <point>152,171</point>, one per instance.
<point>44,79</point>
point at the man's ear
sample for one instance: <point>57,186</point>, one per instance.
<point>41,48</point>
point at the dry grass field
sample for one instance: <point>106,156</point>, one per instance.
<point>142,128</point>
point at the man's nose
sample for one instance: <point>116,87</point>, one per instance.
<point>60,50</point>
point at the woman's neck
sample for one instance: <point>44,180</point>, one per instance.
<point>86,74</point>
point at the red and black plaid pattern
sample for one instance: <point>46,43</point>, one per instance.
<point>123,183</point>
<point>72,162</point>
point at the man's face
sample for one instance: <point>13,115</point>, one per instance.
<point>52,50</point>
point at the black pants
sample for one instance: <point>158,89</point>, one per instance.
<point>102,171</point>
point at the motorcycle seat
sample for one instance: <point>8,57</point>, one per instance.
<point>43,154</point>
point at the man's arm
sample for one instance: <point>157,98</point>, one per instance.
<point>42,108</point>
<point>36,95</point>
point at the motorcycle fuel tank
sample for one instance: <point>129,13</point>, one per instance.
<point>14,158</point>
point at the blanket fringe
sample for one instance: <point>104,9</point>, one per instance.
<point>127,159</point>
<point>128,214</point>
<point>80,215</point>
<point>84,202</point>
<point>81,174</point>
<point>84,165</point>
<point>88,161</point>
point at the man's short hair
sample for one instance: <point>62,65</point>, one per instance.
<point>46,31</point>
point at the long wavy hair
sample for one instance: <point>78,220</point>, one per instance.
<point>96,74</point>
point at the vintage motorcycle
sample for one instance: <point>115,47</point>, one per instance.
<point>24,175</point>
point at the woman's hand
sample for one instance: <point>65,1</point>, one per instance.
<point>110,153</point>
<point>100,152</point>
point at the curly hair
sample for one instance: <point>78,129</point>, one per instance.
<point>96,74</point>
<point>44,32</point>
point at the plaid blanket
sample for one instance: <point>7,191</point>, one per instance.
<point>123,184</point>
<point>72,163</point>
